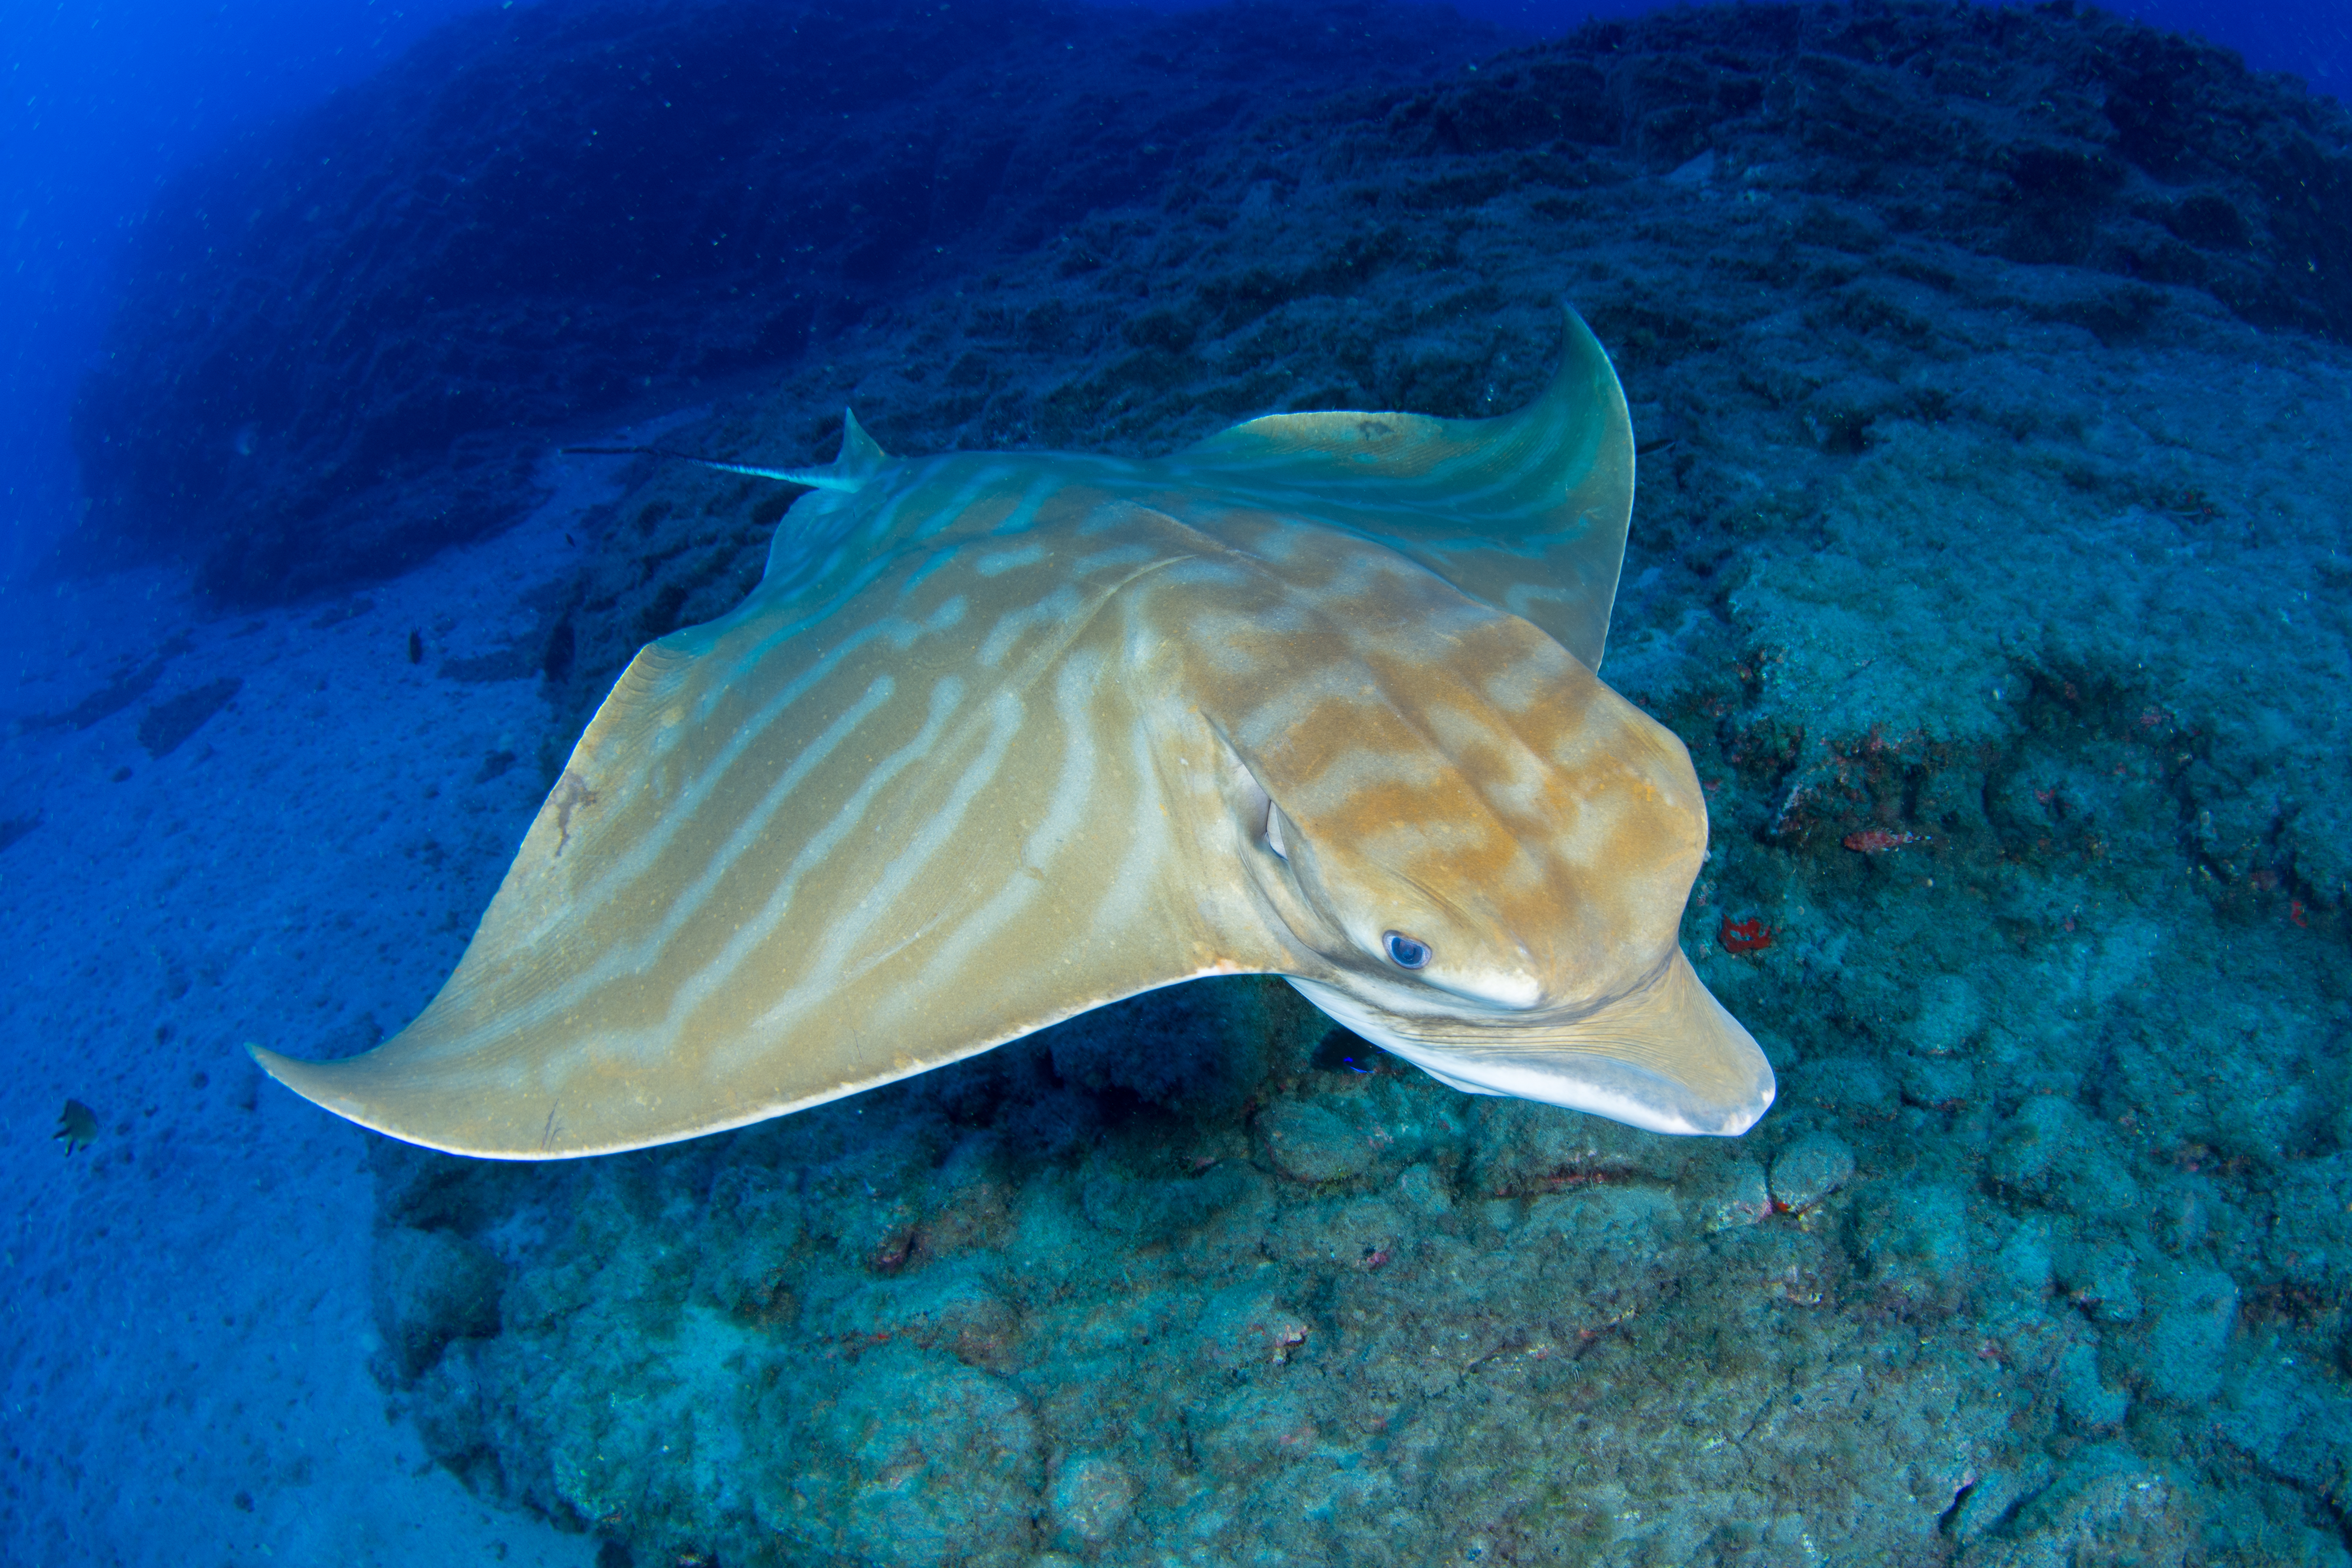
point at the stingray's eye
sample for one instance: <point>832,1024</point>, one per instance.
<point>1406,952</point>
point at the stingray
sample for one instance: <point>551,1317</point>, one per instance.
<point>1003,737</point>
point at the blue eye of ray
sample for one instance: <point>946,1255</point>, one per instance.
<point>1406,952</point>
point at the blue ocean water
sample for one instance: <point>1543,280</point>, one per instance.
<point>1990,558</point>
<point>105,100</point>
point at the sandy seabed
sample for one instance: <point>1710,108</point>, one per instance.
<point>188,1340</point>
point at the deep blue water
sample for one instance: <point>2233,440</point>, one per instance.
<point>105,100</point>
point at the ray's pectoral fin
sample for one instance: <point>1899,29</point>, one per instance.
<point>1527,512</point>
<point>498,1063</point>
<point>778,870</point>
<point>1667,1056</point>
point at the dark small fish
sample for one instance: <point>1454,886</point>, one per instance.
<point>76,1126</point>
<point>415,648</point>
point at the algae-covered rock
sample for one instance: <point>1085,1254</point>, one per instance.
<point>433,1286</point>
<point>955,1308</point>
<point>1125,1204</point>
<point>751,1224</point>
<point>1245,1325</point>
<point>2051,1148</point>
<point>2314,1247</point>
<point>2189,1338</point>
<point>1091,1498</point>
<point>1915,1238</point>
<point>1730,1191</point>
<point>1810,1169</point>
<point>1246,1430</point>
<point>1363,1232</point>
<point>1853,1088</point>
<point>2105,1500</point>
<point>1308,1142</point>
<point>2088,1402</point>
<point>1421,1189</point>
<point>1991,1498</point>
<point>1519,1147</point>
<point>2293,1420</point>
<point>2101,1280</point>
<point>914,1460</point>
<point>1949,1014</point>
<point>1935,1081</point>
<point>2023,1262</point>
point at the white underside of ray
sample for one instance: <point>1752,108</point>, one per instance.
<point>1597,1085</point>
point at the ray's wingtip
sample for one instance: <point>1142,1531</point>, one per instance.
<point>268,1060</point>
<point>1741,1117</point>
<point>297,1075</point>
<point>1581,352</point>
<point>333,1088</point>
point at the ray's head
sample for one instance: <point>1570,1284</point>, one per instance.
<point>1487,852</point>
<point>1493,830</point>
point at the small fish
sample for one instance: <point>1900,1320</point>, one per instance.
<point>76,1126</point>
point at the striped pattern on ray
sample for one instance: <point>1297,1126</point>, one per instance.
<point>1002,737</point>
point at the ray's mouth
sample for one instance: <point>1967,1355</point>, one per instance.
<point>1661,1056</point>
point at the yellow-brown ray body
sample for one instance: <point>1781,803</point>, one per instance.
<point>1002,738</point>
